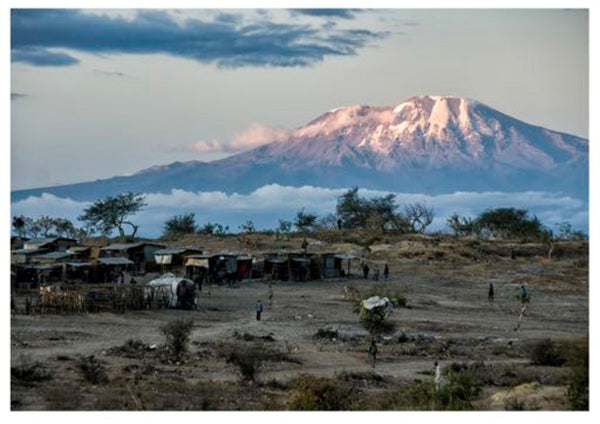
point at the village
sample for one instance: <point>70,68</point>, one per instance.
<point>92,305</point>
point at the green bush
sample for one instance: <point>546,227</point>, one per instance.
<point>321,394</point>
<point>177,333</point>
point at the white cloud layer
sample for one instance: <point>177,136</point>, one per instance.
<point>266,205</point>
<point>254,136</point>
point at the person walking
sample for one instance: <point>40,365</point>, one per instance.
<point>366,271</point>
<point>373,352</point>
<point>270,294</point>
<point>491,293</point>
<point>258,308</point>
<point>386,272</point>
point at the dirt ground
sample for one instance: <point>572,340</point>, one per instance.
<point>448,318</point>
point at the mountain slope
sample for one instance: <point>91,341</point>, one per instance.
<point>429,144</point>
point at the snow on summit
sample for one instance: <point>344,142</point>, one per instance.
<point>423,131</point>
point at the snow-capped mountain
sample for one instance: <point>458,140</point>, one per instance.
<point>425,132</point>
<point>430,144</point>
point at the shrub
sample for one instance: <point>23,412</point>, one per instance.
<point>577,392</point>
<point>321,394</point>
<point>177,333</point>
<point>92,370</point>
<point>248,362</point>
<point>29,372</point>
<point>545,352</point>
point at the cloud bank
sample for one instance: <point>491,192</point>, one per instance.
<point>254,136</point>
<point>224,40</point>
<point>266,205</point>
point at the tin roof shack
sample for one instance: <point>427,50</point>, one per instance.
<point>196,267</point>
<point>84,272</point>
<point>24,256</point>
<point>335,265</point>
<point>109,268</point>
<point>140,253</point>
<point>51,244</point>
<point>288,266</point>
<point>17,242</point>
<point>222,268</point>
<point>80,253</point>
<point>173,259</point>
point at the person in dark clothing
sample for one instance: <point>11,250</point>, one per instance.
<point>524,296</point>
<point>339,224</point>
<point>491,293</point>
<point>373,352</point>
<point>366,271</point>
<point>258,308</point>
<point>386,272</point>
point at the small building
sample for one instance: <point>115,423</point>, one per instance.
<point>336,265</point>
<point>220,267</point>
<point>81,253</point>
<point>25,256</point>
<point>174,258</point>
<point>52,257</point>
<point>140,253</point>
<point>110,267</point>
<point>17,242</point>
<point>52,244</point>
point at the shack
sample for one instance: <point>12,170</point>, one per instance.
<point>17,242</point>
<point>51,244</point>
<point>173,259</point>
<point>219,268</point>
<point>336,265</point>
<point>25,256</point>
<point>110,267</point>
<point>140,253</point>
<point>196,268</point>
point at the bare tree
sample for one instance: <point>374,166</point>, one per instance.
<point>419,216</point>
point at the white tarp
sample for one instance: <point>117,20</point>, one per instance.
<point>378,305</point>
<point>165,287</point>
<point>163,259</point>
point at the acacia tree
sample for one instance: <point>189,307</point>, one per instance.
<point>179,225</point>
<point>111,213</point>
<point>19,223</point>
<point>305,221</point>
<point>419,216</point>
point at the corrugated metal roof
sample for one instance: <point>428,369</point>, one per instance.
<point>26,251</point>
<point>80,264</point>
<point>177,250</point>
<point>126,246</point>
<point>43,240</point>
<point>45,266</point>
<point>77,249</point>
<point>54,255</point>
<point>345,256</point>
<point>115,261</point>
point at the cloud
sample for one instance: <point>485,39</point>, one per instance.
<point>15,96</point>
<point>266,205</point>
<point>42,57</point>
<point>222,41</point>
<point>257,135</point>
<point>254,136</point>
<point>328,13</point>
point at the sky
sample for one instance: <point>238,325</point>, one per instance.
<point>101,93</point>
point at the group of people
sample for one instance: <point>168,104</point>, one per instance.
<point>386,272</point>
